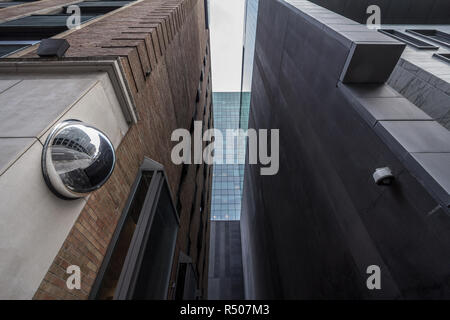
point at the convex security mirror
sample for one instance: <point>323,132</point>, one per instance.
<point>77,159</point>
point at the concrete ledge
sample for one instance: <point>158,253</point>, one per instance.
<point>433,170</point>
<point>35,98</point>
<point>91,64</point>
<point>421,143</point>
<point>375,108</point>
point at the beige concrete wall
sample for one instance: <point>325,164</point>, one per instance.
<point>34,222</point>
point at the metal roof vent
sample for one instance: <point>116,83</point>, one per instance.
<point>53,48</point>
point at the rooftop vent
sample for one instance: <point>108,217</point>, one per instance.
<point>419,44</point>
<point>443,56</point>
<point>53,48</point>
<point>433,35</point>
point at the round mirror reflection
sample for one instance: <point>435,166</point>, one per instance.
<point>76,159</point>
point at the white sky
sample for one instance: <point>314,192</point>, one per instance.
<point>226,33</point>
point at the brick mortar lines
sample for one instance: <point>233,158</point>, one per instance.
<point>101,210</point>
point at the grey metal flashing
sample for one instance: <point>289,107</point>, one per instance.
<point>383,108</point>
<point>420,143</point>
<point>414,136</point>
<point>433,171</point>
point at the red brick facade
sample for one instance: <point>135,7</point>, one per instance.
<point>161,46</point>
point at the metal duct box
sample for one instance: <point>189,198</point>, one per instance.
<point>371,62</point>
<point>53,48</point>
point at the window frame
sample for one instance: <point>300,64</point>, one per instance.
<point>180,288</point>
<point>131,267</point>
<point>24,43</point>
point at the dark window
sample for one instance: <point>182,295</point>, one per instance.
<point>186,279</point>
<point>36,27</point>
<point>145,234</point>
<point>9,47</point>
<point>99,7</point>
<point>153,280</point>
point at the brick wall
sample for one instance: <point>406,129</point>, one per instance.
<point>161,46</point>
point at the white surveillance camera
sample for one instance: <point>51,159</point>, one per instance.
<point>383,176</point>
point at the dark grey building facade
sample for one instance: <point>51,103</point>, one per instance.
<point>342,97</point>
<point>225,265</point>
